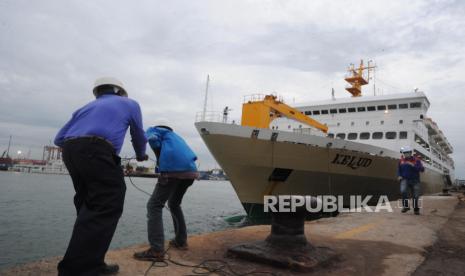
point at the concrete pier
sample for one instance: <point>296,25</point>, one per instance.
<point>366,243</point>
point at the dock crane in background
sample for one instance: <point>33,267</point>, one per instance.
<point>259,111</point>
<point>6,153</point>
<point>356,78</point>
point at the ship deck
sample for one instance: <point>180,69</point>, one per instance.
<point>367,243</point>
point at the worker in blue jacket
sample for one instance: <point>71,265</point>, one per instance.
<point>91,142</point>
<point>408,173</point>
<point>176,165</point>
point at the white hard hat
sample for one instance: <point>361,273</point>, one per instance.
<point>405,149</point>
<point>110,81</point>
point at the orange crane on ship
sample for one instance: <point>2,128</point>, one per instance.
<point>260,112</point>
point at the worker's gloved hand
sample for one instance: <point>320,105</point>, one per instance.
<point>142,158</point>
<point>399,178</point>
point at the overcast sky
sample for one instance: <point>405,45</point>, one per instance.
<point>52,51</point>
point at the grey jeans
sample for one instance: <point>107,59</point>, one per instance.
<point>414,187</point>
<point>171,190</point>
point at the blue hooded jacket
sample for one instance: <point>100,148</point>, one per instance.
<point>175,154</point>
<point>410,168</point>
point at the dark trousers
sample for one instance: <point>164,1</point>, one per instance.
<point>100,189</point>
<point>171,190</point>
<point>414,187</point>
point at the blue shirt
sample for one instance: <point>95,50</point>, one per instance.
<point>410,168</point>
<point>109,117</point>
<point>175,154</point>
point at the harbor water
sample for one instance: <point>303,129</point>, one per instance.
<point>37,214</point>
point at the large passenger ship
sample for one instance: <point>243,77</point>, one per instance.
<point>346,146</point>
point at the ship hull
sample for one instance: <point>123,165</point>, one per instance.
<point>312,165</point>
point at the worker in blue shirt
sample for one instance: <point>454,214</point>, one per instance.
<point>176,165</point>
<point>408,173</point>
<point>91,142</point>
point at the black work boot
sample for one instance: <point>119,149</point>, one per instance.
<point>175,244</point>
<point>416,211</point>
<point>108,269</point>
<point>405,209</point>
<point>149,255</point>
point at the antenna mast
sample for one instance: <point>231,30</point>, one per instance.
<point>356,78</point>
<point>206,99</point>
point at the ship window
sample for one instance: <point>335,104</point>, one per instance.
<point>324,111</point>
<point>415,105</point>
<point>403,106</point>
<point>403,135</point>
<point>289,126</point>
<point>361,109</point>
<point>331,135</point>
<point>352,136</point>
<point>341,136</point>
<point>377,135</point>
<point>401,122</point>
<point>364,136</point>
<point>351,109</point>
<point>391,135</point>
<point>352,123</point>
<point>382,122</point>
<point>308,113</point>
<point>392,106</point>
<point>342,110</point>
<point>338,124</point>
<point>381,107</point>
<point>333,111</point>
<point>316,112</point>
<point>371,108</point>
<point>367,123</point>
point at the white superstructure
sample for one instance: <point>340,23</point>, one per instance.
<point>390,121</point>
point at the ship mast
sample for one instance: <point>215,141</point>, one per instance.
<point>356,79</point>
<point>206,99</point>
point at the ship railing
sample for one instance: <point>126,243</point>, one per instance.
<point>208,116</point>
<point>260,97</point>
<point>303,130</point>
<point>253,98</point>
<point>354,73</point>
<point>215,117</point>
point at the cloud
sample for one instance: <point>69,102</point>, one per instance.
<point>52,51</point>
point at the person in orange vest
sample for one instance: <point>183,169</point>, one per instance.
<point>408,174</point>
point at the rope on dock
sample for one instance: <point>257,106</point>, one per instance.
<point>206,267</point>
